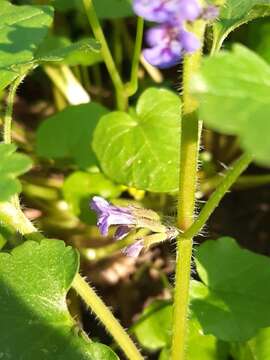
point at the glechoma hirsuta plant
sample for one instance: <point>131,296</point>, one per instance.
<point>150,152</point>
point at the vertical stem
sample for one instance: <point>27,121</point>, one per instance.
<point>7,137</point>
<point>106,53</point>
<point>190,136</point>
<point>133,84</point>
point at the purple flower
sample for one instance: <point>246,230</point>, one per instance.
<point>111,215</point>
<point>165,10</point>
<point>168,43</point>
<point>189,10</point>
<point>156,10</point>
<point>129,219</point>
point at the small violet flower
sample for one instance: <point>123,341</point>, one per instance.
<point>128,219</point>
<point>114,215</point>
<point>110,215</point>
<point>167,44</point>
<point>164,10</point>
<point>169,41</point>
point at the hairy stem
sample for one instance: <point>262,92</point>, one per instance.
<point>190,135</point>
<point>229,179</point>
<point>107,318</point>
<point>7,137</point>
<point>106,53</point>
<point>9,109</point>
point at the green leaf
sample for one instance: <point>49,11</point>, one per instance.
<point>11,165</point>
<point>78,188</point>
<point>105,9</point>
<point>237,101</point>
<point>68,134</point>
<point>22,29</point>
<point>258,38</point>
<point>235,13</point>
<point>141,149</point>
<point>61,51</point>
<point>36,323</point>
<point>258,348</point>
<point>113,9</point>
<point>153,331</point>
<point>234,302</point>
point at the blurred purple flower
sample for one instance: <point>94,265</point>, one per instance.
<point>164,10</point>
<point>167,44</point>
<point>111,215</point>
<point>189,10</point>
<point>169,41</point>
<point>156,10</point>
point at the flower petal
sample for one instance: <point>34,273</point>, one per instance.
<point>155,35</point>
<point>134,249</point>
<point>99,204</point>
<point>189,41</point>
<point>122,231</point>
<point>164,56</point>
<point>156,10</point>
<point>189,10</point>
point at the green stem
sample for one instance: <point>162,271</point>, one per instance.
<point>106,53</point>
<point>190,135</point>
<point>132,86</point>
<point>106,317</point>
<point>8,124</point>
<point>9,109</point>
<point>229,179</point>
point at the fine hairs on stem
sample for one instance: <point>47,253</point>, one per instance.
<point>190,138</point>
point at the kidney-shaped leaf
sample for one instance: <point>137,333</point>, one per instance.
<point>234,304</point>
<point>237,101</point>
<point>235,13</point>
<point>35,322</point>
<point>68,134</point>
<point>22,29</point>
<point>11,165</point>
<point>141,149</point>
